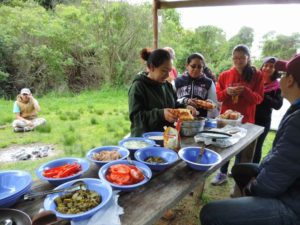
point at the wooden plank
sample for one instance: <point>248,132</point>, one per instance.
<point>164,4</point>
<point>155,23</point>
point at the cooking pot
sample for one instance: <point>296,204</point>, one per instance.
<point>192,127</point>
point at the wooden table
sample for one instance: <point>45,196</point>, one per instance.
<point>148,203</point>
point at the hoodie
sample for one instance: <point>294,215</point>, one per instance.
<point>147,99</point>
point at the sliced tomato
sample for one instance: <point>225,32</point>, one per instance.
<point>120,169</point>
<point>120,179</point>
<point>136,174</point>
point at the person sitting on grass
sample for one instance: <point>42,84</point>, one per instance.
<point>272,188</point>
<point>26,108</point>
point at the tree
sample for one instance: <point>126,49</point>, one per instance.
<point>244,36</point>
<point>281,46</point>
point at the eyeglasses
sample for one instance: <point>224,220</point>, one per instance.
<point>25,94</point>
<point>196,66</point>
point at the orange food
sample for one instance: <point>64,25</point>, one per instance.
<point>204,104</point>
<point>122,174</point>
<point>230,114</point>
<point>183,114</point>
<point>62,171</point>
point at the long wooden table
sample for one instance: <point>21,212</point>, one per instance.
<point>148,203</point>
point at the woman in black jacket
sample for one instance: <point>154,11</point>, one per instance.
<point>272,100</point>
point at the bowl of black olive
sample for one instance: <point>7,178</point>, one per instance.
<point>157,158</point>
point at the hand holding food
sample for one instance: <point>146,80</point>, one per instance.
<point>192,110</point>
<point>234,92</point>
<point>183,114</point>
<point>204,104</point>
<point>169,115</point>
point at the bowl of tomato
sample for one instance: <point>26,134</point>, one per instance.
<point>125,176</point>
<point>157,158</point>
<point>62,170</point>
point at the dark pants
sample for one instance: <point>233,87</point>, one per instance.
<point>247,210</point>
<point>260,141</point>
<point>224,168</point>
<point>242,173</point>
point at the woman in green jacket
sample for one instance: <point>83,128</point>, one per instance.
<point>151,98</point>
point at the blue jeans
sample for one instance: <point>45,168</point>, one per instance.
<point>248,211</point>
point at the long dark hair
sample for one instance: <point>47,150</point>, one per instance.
<point>248,70</point>
<point>273,60</point>
<point>156,57</point>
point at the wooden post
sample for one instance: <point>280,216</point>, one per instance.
<point>155,23</point>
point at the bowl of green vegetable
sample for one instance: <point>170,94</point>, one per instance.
<point>157,158</point>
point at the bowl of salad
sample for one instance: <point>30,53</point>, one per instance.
<point>157,158</point>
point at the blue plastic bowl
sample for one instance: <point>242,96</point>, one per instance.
<point>102,188</point>
<point>168,155</point>
<point>158,137</point>
<point>190,155</point>
<point>60,162</point>
<point>144,142</point>
<point>145,168</point>
<point>13,184</point>
<point>122,151</point>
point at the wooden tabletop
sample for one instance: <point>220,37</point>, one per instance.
<point>148,203</point>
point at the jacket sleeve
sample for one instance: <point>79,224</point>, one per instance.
<point>256,95</point>
<point>281,168</point>
<point>274,101</point>
<point>139,116</point>
<point>221,88</point>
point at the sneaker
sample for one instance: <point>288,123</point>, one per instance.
<point>18,129</point>
<point>219,179</point>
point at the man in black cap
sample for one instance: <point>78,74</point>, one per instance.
<point>272,188</point>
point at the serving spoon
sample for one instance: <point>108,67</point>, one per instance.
<point>79,185</point>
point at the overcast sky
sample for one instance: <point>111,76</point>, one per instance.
<point>283,19</point>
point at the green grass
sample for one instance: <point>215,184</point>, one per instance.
<point>75,124</point>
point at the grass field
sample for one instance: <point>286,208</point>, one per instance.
<point>75,124</point>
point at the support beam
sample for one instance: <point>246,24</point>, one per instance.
<point>165,4</point>
<point>156,5</point>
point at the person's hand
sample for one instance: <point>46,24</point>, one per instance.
<point>29,123</point>
<point>234,91</point>
<point>193,110</point>
<point>192,102</point>
<point>169,116</point>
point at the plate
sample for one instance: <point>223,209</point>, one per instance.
<point>17,216</point>
<point>214,134</point>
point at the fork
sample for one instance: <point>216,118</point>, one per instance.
<point>141,170</point>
